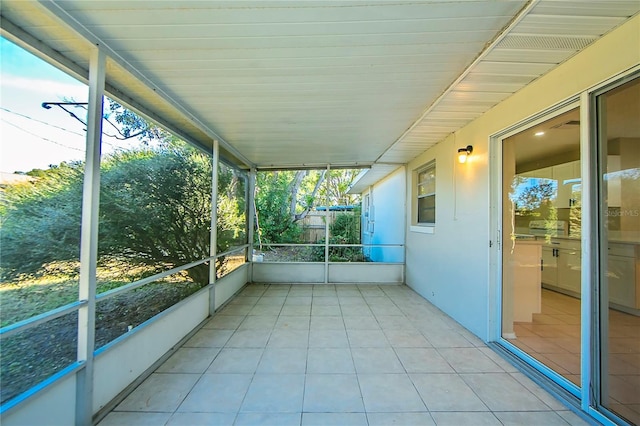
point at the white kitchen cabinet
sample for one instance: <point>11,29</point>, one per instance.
<point>561,265</point>
<point>621,275</point>
<point>569,268</point>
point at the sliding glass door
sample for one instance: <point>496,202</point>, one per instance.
<point>618,138</point>
<point>541,249</point>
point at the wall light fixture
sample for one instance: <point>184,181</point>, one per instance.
<point>463,153</point>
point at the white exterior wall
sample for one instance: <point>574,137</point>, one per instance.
<point>451,267</point>
<point>388,202</point>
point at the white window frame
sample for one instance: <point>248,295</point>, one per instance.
<point>417,226</point>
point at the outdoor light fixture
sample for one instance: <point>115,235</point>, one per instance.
<point>463,153</point>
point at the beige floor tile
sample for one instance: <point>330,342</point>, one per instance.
<point>217,393</point>
<point>550,418</point>
<point>446,392</point>
<point>325,310</point>
<point>355,310</point>
<point>395,322</point>
<point>469,360</point>
<point>116,418</point>
<point>224,322</point>
<point>361,322</point>
<point>386,393</point>
<point>258,322</point>
<point>283,360</point>
<point>249,339</point>
<point>572,418</point>
<point>274,393</point>
<point>376,360</point>
<point>296,310</point>
<point>442,338</point>
<point>189,360</point>
<point>406,338</point>
<point>423,360</point>
<point>325,301</point>
<point>351,299</point>
<point>268,419</point>
<point>336,419</point>
<point>265,309</point>
<point>330,360</point>
<point>329,322</point>
<point>540,393</point>
<point>161,392</point>
<point>293,322</point>
<point>332,393</point>
<point>244,300</point>
<point>367,339</point>
<point>298,300</point>
<point>287,338</point>
<point>273,300</point>
<point>206,338</point>
<point>501,392</point>
<point>235,310</point>
<point>400,419</point>
<point>322,338</point>
<point>200,419</point>
<point>446,418</point>
<point>236,360</point>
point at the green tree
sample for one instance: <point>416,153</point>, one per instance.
<point>155,208</point>
<point>40,220</point>
<point>284,198</point>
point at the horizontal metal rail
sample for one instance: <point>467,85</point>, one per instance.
<point>333,245</point>
<point>293,245</point>
<point>232,251</point>
<point>366,245</point>
<point>148,280</point>
<point>34,321</point>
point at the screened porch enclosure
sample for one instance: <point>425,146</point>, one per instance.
<point>296,215</point>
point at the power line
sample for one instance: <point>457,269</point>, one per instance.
<point>65,129</point>
<point>40,121</point>
<point>42,137</point>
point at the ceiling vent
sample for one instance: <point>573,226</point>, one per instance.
<point>546,43</point>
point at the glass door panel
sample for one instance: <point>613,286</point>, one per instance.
<point>618,113</point>
<point>541,256</point>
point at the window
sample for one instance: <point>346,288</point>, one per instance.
<point>426,192</point>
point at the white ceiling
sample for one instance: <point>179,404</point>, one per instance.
<point>284,83</point>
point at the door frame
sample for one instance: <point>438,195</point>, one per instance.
<point>501,237</point>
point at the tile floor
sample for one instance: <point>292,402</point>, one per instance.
<point>336,355</point>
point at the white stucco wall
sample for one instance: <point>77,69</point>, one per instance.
<point>388,201</point>
<point>451,266</point>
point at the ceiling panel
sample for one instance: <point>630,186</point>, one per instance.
<point>291,83</point>
<point>547,35</point>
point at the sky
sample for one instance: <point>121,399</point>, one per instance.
<point>30,135</point>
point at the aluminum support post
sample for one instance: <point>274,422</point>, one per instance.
<point>326,227</point>
<point>213,243</point>
<point>251,213</point>
<point>89,238</point>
